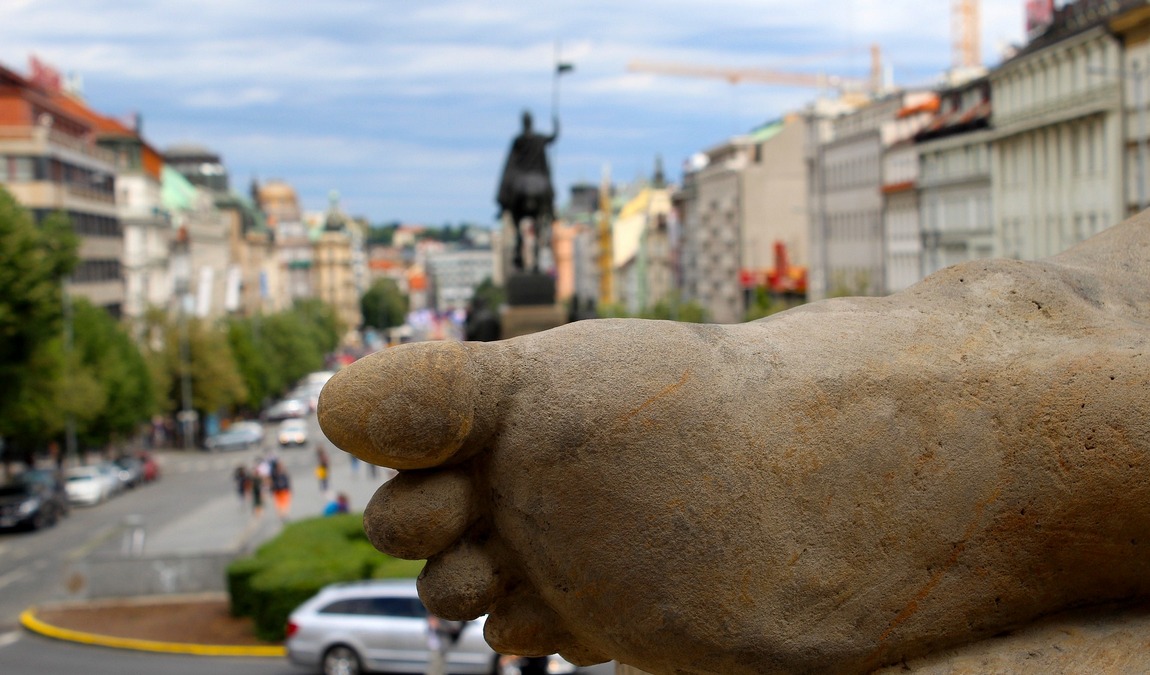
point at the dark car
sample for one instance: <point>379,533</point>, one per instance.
<point>32,501</point>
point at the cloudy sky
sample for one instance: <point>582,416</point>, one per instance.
<point>407,108</point>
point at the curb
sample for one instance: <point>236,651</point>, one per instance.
<point>29,621</point>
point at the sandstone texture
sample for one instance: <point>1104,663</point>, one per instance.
<point>848,485</point>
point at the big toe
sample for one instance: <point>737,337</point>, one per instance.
<point>414,406</point>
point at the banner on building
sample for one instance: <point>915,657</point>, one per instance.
<point>204,292</point>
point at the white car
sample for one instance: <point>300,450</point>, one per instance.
<point>286,409</point>
<point>293,432</point>
<point>381,625</point>
<point>87,485</point>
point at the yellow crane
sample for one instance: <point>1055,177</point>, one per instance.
<point>872,85</point>
<point>965,51</point>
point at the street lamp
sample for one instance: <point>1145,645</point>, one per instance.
<point>181,274</point>
<point>70,420</point>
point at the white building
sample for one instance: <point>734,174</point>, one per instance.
<point>455,274</point>
<point>954,179</point>
<point>1056,161</point>
<point>850,227</point>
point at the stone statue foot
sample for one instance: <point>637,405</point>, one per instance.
<point>835,488</point>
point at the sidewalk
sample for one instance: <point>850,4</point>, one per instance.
<point>223,524</point>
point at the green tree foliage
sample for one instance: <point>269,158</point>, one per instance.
<point>255,368</point>
<point>34,259</point>
<point>215,377</point>
<point>383,305</point>
<point>382,235</point>
<point>666,310</point>
<point>105,354</point>
<point>323,325</point>
<point>272,352</point>
<point>491,295</point>
<point>764,304</point>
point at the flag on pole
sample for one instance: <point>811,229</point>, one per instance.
<point>561,68</point>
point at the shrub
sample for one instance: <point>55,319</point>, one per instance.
<point>305,557</point>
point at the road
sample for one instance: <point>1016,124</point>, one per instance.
<point>34,566</point>
<point>189,501</point>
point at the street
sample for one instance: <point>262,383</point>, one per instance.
<point>187,502</point>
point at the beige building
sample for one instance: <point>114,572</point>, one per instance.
<point>775,196</point>
<point>50,162</point>
<point>641,251</point>
<point>712,231</point>
<point>333,268</point>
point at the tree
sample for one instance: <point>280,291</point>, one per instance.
<point>34,260</point>
<point>384,305</point>
<point>215,377</point>
<point>106,354</point>
<point>489,294</point>
<point>255,366</point>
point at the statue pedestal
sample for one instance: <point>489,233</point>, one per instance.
<point>531,305</point>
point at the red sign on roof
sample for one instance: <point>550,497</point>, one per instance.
<point>43,75</point>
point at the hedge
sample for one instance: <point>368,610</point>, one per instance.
<point>294,566</point>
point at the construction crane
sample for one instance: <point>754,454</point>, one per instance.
<point>966,49</point>
<point>873,85</point>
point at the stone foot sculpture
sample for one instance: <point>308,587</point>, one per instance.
<point>845,485</point>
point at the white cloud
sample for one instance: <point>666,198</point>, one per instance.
<point>349,93</point>
<point>233,99</point>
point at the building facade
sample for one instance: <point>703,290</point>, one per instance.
<point>712,231</point>
<point>851,190</point>
<point>1057,173</point>
<point>50,162</point>
<point>954,179</point>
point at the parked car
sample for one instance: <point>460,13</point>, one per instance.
<point>288,408</point>
<point>31,502</point>
<point>111,474</point>
<point>381,625</point>
<point>149,465</point>
<point>87,485</point>
<point>239,436</point>
<point>130,470</point>
<point>53,481</point>
<point>293,432</point>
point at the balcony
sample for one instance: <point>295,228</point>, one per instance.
<point>40,139</point>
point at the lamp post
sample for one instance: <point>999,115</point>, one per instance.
<point>70,420</point>
<point>181,273</point>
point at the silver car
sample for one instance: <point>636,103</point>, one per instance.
<point>381,625</point>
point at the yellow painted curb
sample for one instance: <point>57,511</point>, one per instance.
<point>29,621</point>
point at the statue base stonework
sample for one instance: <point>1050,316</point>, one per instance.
<point>531,305</point>
<point>529,319</point>
<point>530,289</point>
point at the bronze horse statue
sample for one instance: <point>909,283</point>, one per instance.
<point>525,190</point>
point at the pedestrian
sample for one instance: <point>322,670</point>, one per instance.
<point>257,490</point>
<point>330,505</point>
<point>241,478</point>
<point>321,469</point>
<point>281,490</point>
<point>441,637</point>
